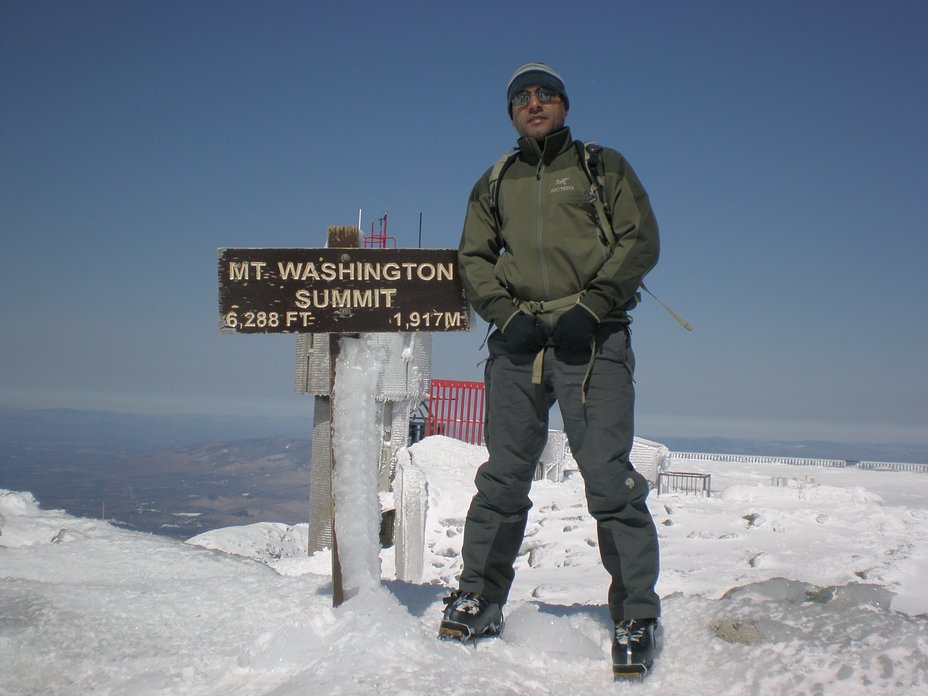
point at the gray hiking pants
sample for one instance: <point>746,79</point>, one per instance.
<point>600,433</point>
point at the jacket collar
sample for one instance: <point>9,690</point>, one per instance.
<point>557,142</point>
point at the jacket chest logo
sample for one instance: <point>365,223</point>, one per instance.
<point>561,185</point>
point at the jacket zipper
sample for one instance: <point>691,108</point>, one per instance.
<point>542,265</point>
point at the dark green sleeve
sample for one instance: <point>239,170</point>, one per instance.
<point>637,240</point>
<point>478,254</point>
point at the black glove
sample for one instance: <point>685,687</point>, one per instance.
<point>525,334</point>
<point>573,332</point>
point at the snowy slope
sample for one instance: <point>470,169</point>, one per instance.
<point>814,587</point>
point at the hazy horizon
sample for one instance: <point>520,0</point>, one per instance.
<point>194,428</point>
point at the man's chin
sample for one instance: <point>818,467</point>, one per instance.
<point>537,133</point>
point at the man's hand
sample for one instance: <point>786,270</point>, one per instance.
<point>525,334</point>
<point>574,331</point>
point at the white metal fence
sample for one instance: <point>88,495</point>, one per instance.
<point>893,466</point>
<point>755,459</point>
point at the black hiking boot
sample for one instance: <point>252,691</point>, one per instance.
<point>469,616</point>
<point>633,647</point>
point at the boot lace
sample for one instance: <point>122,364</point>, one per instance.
<point>630,632</point>
<point>465,602</point>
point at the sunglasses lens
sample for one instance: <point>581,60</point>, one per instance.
<point>524,97</point>
<point>545,95</point>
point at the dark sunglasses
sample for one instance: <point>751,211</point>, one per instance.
<point>545,96</point>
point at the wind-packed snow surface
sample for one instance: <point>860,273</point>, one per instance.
<point>814,586</point>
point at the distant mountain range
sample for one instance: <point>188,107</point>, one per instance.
<point>182,475</point>
<point>178,492</point>
<point>134,432</point>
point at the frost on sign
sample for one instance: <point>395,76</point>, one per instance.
<point>340,291</point>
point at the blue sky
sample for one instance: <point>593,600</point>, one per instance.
<point>783,146</point>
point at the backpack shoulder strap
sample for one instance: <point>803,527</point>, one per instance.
<point>590,156</point>
<point>496,173</point>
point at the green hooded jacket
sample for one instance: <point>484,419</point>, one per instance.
<point>549,245</point>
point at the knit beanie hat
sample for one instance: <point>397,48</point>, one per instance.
<point>535,74</point>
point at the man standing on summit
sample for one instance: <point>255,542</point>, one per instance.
<point>557,239</point>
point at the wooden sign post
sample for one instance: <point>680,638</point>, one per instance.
<point>339,238</point>
<point>340,289</point>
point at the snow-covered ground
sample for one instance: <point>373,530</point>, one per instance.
<point>814,586</point>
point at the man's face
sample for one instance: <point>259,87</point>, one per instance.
<point>536,119</point>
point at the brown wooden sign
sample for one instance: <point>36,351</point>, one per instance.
<point>340,291</point>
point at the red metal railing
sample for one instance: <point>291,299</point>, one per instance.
<point>379,240</point>
<point>456,409</point>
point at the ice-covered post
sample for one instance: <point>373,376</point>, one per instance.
<point>338,238</point>
<point>342,290</point>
